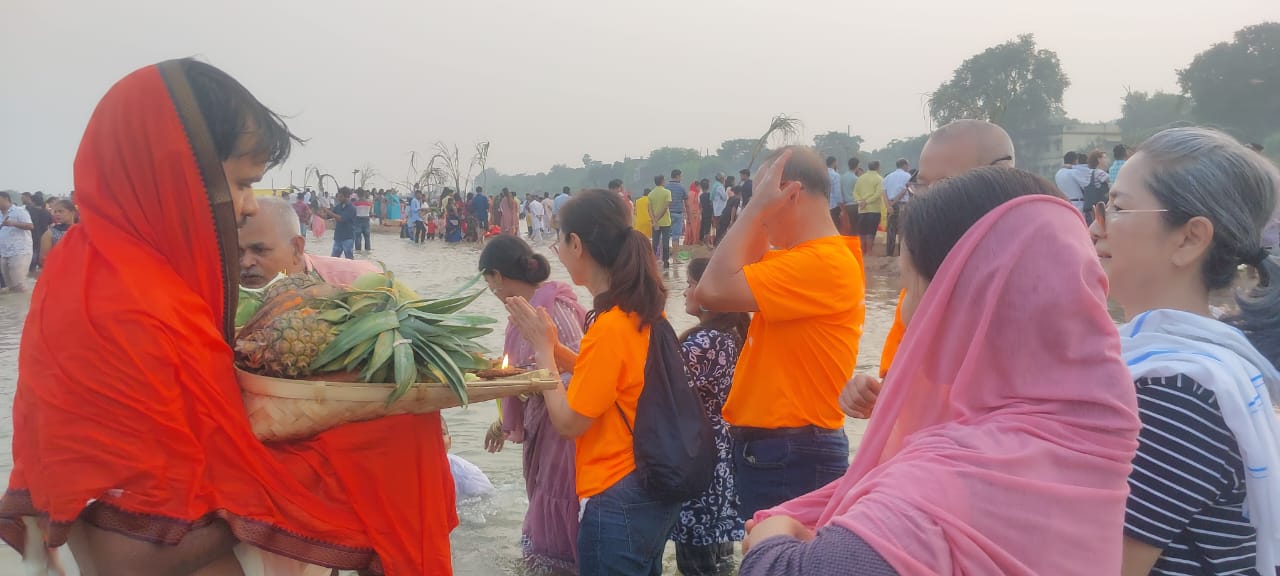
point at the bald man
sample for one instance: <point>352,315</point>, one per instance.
<point>808,298</point>
<point>271,243</point>
<point>952,150</point>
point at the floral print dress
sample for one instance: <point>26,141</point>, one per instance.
<point>712,518</point>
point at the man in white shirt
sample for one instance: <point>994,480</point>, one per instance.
<point>539,212</point>
<point>1068,181</point>
<point>835,198</point>
<point>719,195</point>
<point>895,188</point>
<point>15,244</point>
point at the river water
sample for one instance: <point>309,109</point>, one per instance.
<point>487,540</point>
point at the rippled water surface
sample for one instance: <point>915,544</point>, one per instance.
<point>487,540</point>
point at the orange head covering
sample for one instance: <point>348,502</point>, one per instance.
<point>127,414</point>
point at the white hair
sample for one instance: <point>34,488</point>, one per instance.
<point>281,214</point>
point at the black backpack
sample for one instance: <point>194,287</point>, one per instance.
<point>1096,191</point>
<point>674,445</point>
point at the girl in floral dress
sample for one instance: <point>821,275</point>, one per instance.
<point>709,524</point>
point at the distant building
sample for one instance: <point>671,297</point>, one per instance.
<point>1077,136</point>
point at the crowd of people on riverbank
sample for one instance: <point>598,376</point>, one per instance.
<point>1013,429</point>
<point>28,232</point>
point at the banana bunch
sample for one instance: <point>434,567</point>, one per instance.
<point>386,333</point>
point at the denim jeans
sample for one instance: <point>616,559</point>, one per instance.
<point>343,248</point>
<point>362,233</point>
<point>624,531</point>
<point>662,244</point>
<point>773,466</point>
<point>677,227</point>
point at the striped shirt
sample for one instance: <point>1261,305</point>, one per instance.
<point>1187,488</point>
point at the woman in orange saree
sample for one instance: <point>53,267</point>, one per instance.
<point>129,428</point>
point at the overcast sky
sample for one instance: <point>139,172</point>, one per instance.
<point>547,81</point>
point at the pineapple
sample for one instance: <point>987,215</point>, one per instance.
<point>286,344</point>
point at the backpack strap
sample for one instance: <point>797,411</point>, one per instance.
<point>624,418</point>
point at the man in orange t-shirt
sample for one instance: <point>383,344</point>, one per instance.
<point>802,346</point>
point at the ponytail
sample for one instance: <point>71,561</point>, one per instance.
<point>634,283</point>
<point>1259,315</point>
<point>603,223</point>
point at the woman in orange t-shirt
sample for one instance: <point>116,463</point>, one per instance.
<point>623,529</point>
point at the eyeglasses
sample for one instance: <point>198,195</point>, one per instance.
<point>917,188</point>
<point>1103,211</point>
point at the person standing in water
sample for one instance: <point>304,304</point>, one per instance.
<point>802,347</point>
<point>1187,210</point>
<point>549,537</point>
<point>624,528</point>
<point>710,524</point>
<point>141,456</point>
<point>15,244</point>
<point>63,213</point>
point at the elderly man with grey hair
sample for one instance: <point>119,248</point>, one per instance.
<point>271,243</point>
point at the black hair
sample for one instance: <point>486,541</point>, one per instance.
<point>735,324</point>
<point>831,161</point>
<point>902,163</point>
<point>66,203</point>
<point>5,194</point>
<point>230,111</point>
<point>853,163</point>
<point>1070,158</point>
<point>566,190</point>
<point>744,172</point>
<point>1120,152</point>
<point>934,223</point>
<point>873,165</point>
<point>676,173</point>
<point>658,180</point>
<point>615,183</point>
<point>514,259</point>
<point>705,183</point>
<point>602,223</point>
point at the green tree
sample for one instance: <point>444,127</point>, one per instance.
<point>908,148</point>
<point>839,144</point>
<point>1144,114</point>
<point>736,152</point>
<point>1013,84</point>
<point>664,159</point>
<point>1236,85</point>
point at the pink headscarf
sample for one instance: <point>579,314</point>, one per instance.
<point>1002,441</point>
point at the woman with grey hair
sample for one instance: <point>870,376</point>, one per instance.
<point>1185,213</point>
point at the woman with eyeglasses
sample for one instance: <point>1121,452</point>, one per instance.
<point>549,537</point>
<point>1186,211</point>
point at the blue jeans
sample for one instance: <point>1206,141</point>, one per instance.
<point>774,466</point>
<point>343,248</point>
<point>624,531</point>
<point>362,233</point>
<point>677,227</point>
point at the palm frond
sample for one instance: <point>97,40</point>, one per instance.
<point>781,125</point>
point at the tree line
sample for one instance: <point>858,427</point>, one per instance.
<point>1234,86</point>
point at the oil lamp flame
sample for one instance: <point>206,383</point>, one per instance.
<point>504,361</point>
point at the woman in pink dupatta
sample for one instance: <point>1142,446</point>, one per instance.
<point>549,539</point>
<point>1002,440</point>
